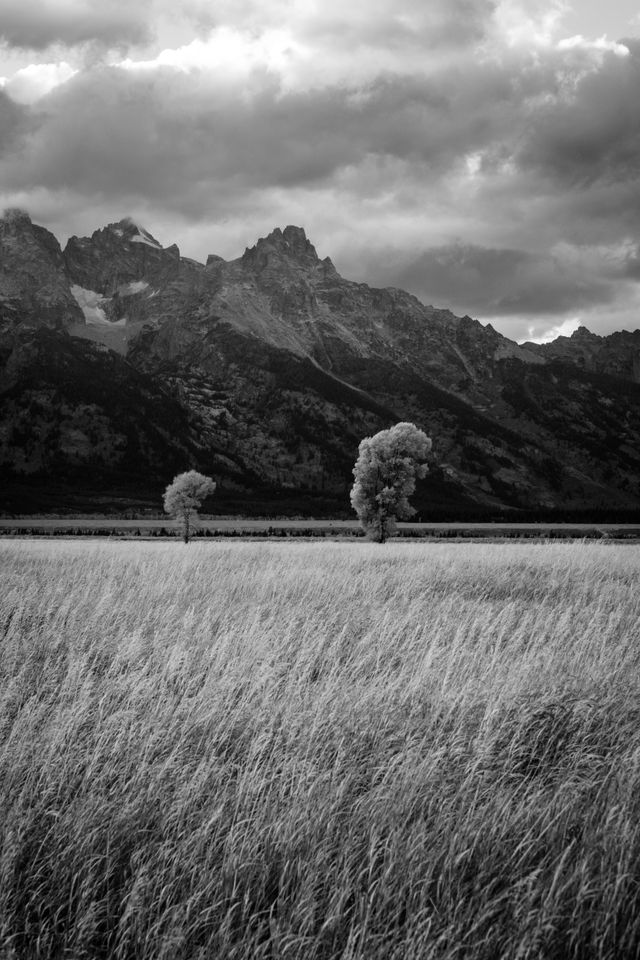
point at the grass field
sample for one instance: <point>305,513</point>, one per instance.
<point>304,751</point>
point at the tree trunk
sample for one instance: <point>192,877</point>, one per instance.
<point>186,527</point>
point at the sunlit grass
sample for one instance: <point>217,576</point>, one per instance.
<point>319,750</point>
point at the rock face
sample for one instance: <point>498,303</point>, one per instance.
<point>267,370</point>
<point>617,355</point>
<point>34,288</point>
<point>119,255</point>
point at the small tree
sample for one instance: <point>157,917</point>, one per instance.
<point>183,498</point>
<point>385,477</point>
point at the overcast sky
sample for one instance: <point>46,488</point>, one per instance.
<point>483,154</point>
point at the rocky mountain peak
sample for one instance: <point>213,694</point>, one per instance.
<point>121,253</point>
<point>295,239</point>
<point>22,238</point>
<point>584,334</point>
<point>288,248</point>
<point>33,287</point>
<point>123,231</point>
<point>125,226</point>
<point>14,219</point>
<point>292,242</point>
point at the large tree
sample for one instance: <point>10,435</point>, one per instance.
<point>183,498</point>
<point>385,474</point>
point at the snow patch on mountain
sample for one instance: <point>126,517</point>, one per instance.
<point>90,302</point>
<point>143,237</point>
<point>136,286</point>
<point>508,349</point>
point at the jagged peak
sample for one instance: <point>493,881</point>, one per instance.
<point>16,222</point>
<point>288,244</point>
<point>290,234</point>
<point>127,229</point>
<point>126,225</point>
<point>296,236</point>
<point>583,333</point>
<point>291,242</point>
<point>18,229</point>
<point>130,229</point>
<point>16,215</point>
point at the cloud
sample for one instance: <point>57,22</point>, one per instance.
<point>564,329</point>
<point>12,124</point>
<point>329,45</point>
<point>40,23</point>
<point>631,267</point>
<point>36,80</point>
<point>529,23</point>
<point>404,29</point>
<point>591,130</point>
<point>494,282</point>
<point>362,24</point>
<point>225,116</point>
<point>579,42</point>
<point>165,133</point>
<point>227,56</point>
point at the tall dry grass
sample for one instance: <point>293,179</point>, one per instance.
<point>318,751</point>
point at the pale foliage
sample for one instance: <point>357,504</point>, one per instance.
<point>313,751</point>
<point>183,498</point>
<point>385,477</point>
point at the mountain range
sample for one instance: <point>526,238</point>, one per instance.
<point>123,363</point>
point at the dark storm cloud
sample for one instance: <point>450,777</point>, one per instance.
<point>592,131</point>
<point>180,138</point>
<point>172,136</point>
<point>359,24</point>
<point>493,282</point>
<point>37,24</point>
<point>158,136</point>
<point>12,123</point>
<point>631,266</point>
<point>457,23</point>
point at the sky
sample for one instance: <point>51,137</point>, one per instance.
<point>482,154</point>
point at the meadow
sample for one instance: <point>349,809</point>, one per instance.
<point>305,751</point>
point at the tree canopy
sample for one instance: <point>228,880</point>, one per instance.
<point>183,498</point>
<point>385,475</point>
